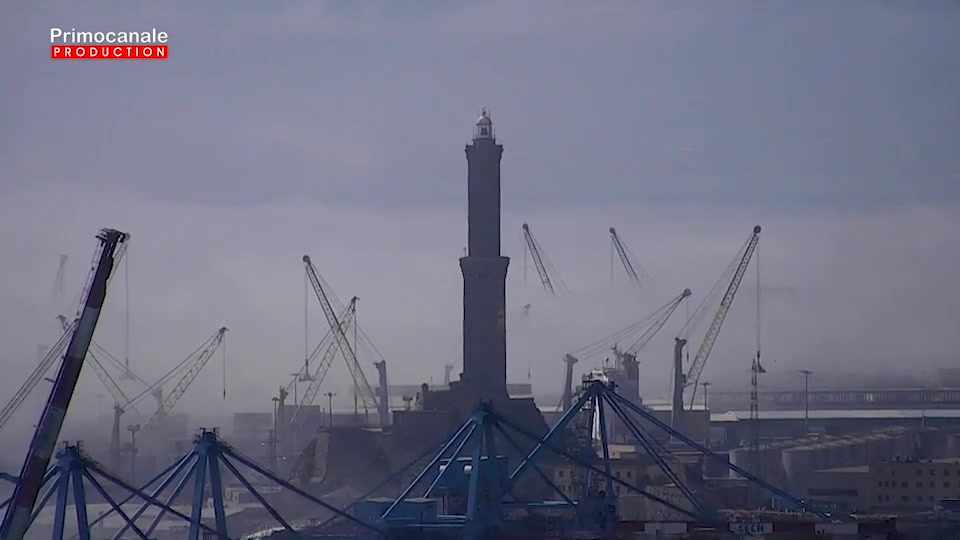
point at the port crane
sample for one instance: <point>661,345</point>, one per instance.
<point>470,479</point>
<point>645,329</point>
<point>190,367</point>
<point>552,282</point>
<point>691,378</point>
<point>304,374</point>
<point>627,259</point>
<point>367,395</point>
<point>330,346</point>
<point>17,519</point>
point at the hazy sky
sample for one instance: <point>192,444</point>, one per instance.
<point>337,129</point>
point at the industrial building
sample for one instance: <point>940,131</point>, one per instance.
<point>895,486</point>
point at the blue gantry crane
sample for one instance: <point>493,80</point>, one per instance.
<point>205,470</point>
<point>468,491</point>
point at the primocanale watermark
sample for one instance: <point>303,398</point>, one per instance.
<point>80,45</point>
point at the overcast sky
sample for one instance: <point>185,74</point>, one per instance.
<point>337,129</point>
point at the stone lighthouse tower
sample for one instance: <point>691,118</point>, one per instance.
<point>484,269</point>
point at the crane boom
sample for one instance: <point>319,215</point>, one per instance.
<point>310,394</point>
<point>692,378</point>
<point>534,249</point>
<point>303,374</point>
<point>17,519</point>
<point>658,323</point>
<point>209,347</point>
<point>353,365</point>
<point>650,325</point>
<point>624,258</point>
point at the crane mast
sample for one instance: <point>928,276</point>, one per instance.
<point>566,400</point>
<point>18,516</point>
<point>383,398</point>
<point>542,264</point>
<point>692,378</point>
<point>209,348</point>
<point>356,373</point>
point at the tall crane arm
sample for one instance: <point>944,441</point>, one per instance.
<point>651,331</point>
<point>624,258</point>
<point>18,516</point>
<point>156,389</point>
<point>310,394</point>
<point>209,347</point>
<point>353,365</point>
<point>649,321</point>
<point>692,378</point>
<point>321,345</point>
<point>534,249</point>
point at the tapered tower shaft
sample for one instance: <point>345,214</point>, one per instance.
<point>484,269</point>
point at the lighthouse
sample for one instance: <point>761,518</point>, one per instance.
<point>484,269</point>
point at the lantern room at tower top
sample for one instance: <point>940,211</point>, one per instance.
<point>483,127</point>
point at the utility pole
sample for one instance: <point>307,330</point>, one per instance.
<point>706,411</point>
<point>330,404</point>
<point>276,422</point>
<point>806,400</point>
<point>272,441</point>
<point>133,429</point>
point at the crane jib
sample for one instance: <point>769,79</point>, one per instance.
<point>353,365</point>
<point>700,360</point>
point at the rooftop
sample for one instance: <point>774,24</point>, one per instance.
<point>855,414</point>
<point>861,469</point>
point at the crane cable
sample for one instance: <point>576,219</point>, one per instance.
<point>126,316</point>
<point>756,256</point>
<point>223,345</point>
<point>698,314</point>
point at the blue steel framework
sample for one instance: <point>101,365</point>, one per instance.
<point>479,493</point>
<point>202,468</point>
